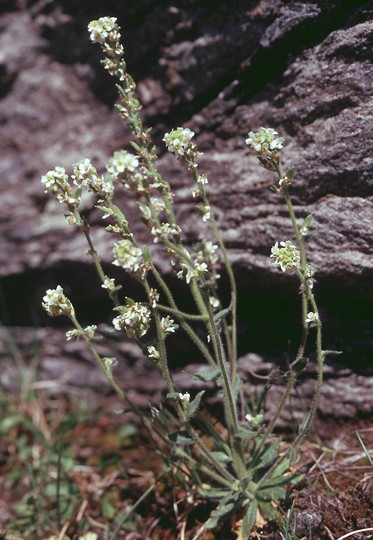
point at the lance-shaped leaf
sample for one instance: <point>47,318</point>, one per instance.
<point>181,437</point>
<point>249,520</point>
<point>193,405</point>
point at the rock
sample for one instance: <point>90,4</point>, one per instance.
<point>303,68</point>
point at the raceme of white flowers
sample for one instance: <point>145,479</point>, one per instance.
<point>56,303</point>
<point>264,141</point>
<point>102,29</point>
<point>286,256</point>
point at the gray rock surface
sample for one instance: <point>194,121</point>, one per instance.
<point>222,69</point>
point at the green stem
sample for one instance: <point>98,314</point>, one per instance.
<point>182,314</point>
<point>280,408</point>
<point>188,329</point>
<point>229,402</point>
<point>233,285</point>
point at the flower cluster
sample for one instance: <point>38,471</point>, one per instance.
<point>106,32</point>
<point>103,29</point>
<point>124,166</point>
<point>265,141</point>
<point>207,253</point>
<point>134,318</point>
<point>56,303</point>
<point>165,229</point>
<point>190,271</point>
<point>179,142</point>
<point>89,332</point>
<point>129,257</point>
<point>287,257</point>
<point>85,175</point>
<point>57,182</point>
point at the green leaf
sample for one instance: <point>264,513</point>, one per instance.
<point>271,493</point>
<point>181,437</point>
<point>136,146</point>
<point>290,173</point>
<point>108,508</point>
<point>213,493</point>
<point>245,434</point>
<point>237,386</point>
<point>267,457</point>
<point>222,510</point>
<point>307,222</point>
<point>221,456</point>
<point>268,510</point>
<point>127,431</point>
<point>280,469</point>
<point>293,456</point>
<point>249,519</point>
<point>204,375</point>
<point>193,405</point>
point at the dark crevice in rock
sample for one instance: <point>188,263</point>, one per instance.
<point>269,318</point>
<point>274,59</point>
<point>6,81</point>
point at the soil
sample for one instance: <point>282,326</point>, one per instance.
<point>334,498</point>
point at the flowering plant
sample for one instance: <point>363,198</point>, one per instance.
<point>238,465</point>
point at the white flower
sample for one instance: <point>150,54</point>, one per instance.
<point>57,183</point>
<point>129,257</point>
<point>134,318</point>
<point>56,180</point>
<point>206,212</point>
<point>56,303</point>
<point>168,325</point>
<point>153,353</point>
<point>110,364</point>
<point>256,420</point>
<point>108,284</point>
<point>165,229</point>
<point>102,28</point>
<point>264,141</point>
<point>184,398</point>
<point>157,204</point>
<point>202,179</point>
<point>122,163</point>
<point>313,318</point>
<point>70,334</point>
<point>207,253</point>
<point>153,297</point>
<point>179,142</point>
<point>287,257</point>
<point>90,331</point>
<point>214,302</point>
